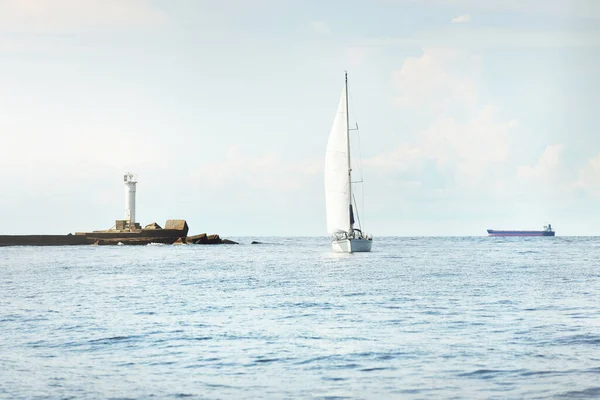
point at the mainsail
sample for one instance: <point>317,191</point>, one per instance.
<point>337,183</point>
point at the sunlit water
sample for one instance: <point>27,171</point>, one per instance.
<point>416,318</point>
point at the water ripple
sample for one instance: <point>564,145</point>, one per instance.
<point>416,318</point>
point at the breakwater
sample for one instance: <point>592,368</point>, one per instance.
<point>175,232</point>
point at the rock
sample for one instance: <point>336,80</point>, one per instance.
<point>203,238</point>
<point>153,225</point>
<point>213,239</point>
<point>196,239</point>
<point>180,241</point>
<point>178,224</point>
<point>255,242</point>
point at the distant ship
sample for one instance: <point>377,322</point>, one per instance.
<point>546,232</point>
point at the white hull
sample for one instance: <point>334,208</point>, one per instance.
<point>351,245</point>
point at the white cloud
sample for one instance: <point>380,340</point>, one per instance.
<point>436,78</point>
<point>466,138</point>
<point>470,146</point>
<point>588,177</point>
<point>64,16</point>
<point>266,171</point>
<point>548,177</point>
<point>467,149</point>
<point>357,56</point>
<point>545,171</point>
<point>461,19</point>
<point>562,8</point>
<point>320,27</point>
<point>403,158</point>
<point>90,152</point>
<point>466,36</point>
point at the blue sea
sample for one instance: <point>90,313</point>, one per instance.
<point>417,318</point>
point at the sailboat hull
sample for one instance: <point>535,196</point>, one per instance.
<point>352,245</point>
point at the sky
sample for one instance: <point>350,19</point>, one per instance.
<point>473,114</point>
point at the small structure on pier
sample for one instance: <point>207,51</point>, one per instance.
<point>129,224</point>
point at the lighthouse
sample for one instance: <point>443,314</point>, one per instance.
<point>130,186</point>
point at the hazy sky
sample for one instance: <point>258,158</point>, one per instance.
<point>473,114</point>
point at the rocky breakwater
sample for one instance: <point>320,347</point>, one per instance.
<point>174,230</point>
<point>203,238</point>
<point>44,240</point>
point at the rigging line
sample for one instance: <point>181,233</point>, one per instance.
<point>362,188</point>
<point>357,214</point>
<point>360,167</point>
<point>357,134</point>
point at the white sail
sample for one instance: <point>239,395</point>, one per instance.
<point>337,185</point>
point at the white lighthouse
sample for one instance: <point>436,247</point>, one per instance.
<point>130,183</point>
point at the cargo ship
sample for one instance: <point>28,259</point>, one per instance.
<point>547,231</point>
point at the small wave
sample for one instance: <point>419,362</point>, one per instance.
<point>314,359</point>
<point>200,338</point>
<point>334,379</point>
<point>593,392</point>
<point>219,386</point>
<point>580,339</point>
<point>537,373</point>
<point>295,316</point>
<point>403,299</point>
<point>11,318</point>
<point>114,339</point>
<point>310,304</point>
<point>373,369</point>
<point>411,391</point>
<point>489,373</point>
<point>266,360</point>
<point>346,366</point>
<point>162,363</point>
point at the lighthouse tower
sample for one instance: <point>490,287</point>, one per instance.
<point>130,183</point>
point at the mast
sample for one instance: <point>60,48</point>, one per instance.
<point>351,227</point>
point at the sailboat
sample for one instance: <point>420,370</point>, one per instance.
<point>338,186</point>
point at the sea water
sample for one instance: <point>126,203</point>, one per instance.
<point>416,318</point>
